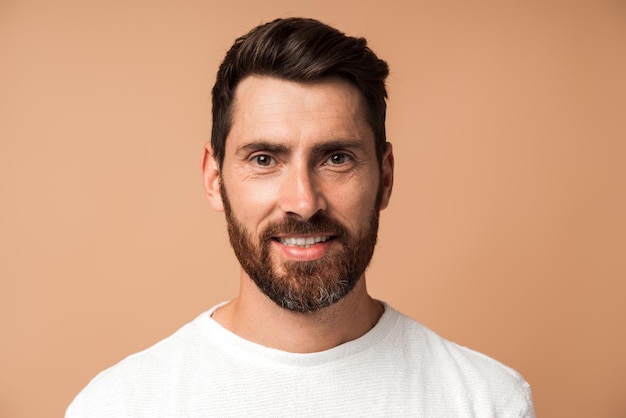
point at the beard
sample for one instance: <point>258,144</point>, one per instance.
<point>304,286</point>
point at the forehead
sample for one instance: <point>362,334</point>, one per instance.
<point>272,108</point>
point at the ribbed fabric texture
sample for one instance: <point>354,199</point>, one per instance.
<point>398,369</point>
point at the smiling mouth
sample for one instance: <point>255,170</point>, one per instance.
<point>302,242</point>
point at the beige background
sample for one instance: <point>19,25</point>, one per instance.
<point>505,233</point>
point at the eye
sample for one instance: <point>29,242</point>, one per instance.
<point>338,158</point>
<point>263,160</point>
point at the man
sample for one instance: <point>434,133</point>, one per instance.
<point>299,163</point>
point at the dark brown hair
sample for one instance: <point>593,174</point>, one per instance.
<point>301,50</point>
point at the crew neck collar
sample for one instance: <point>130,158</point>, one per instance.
<point>238,346</point>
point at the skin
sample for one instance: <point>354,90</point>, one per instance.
<point>297,149</point>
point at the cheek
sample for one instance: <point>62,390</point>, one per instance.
<point>355,207</point>
<point>250,203</point>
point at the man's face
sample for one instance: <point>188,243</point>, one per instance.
<point>301,188</point>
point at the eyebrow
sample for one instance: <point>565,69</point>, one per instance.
<point>325,147</point>
<point>337,144</point>
<point>262,145</point>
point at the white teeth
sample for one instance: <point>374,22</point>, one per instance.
<point>302,241</point>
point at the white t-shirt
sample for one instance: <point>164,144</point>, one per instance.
<point>398,369</point>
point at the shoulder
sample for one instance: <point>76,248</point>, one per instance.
<point>135,382</point>
<point>462,373</point>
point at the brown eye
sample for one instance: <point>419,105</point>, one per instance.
<point>263,160</point>
<point>338,159</point>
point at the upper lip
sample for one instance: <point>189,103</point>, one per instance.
<point>303,240</point>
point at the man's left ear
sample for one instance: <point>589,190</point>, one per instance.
<point>387,175</point>
<point>211,177</point>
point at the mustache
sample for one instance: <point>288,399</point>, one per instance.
<point>319,223</point>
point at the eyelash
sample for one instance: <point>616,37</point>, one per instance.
<point>256,159</point>
<point>345,156</point>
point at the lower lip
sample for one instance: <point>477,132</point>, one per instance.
<point>296,253</point>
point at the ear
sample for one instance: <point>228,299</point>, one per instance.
<point>211,177</point>
<point>387,176</point>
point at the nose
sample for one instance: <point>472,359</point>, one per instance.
<point>301,193</point>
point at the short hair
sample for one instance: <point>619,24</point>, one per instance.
<point>301,50</point>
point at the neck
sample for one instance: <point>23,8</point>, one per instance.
<point>253,316</point>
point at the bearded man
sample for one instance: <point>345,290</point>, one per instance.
<point>300,164</point>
